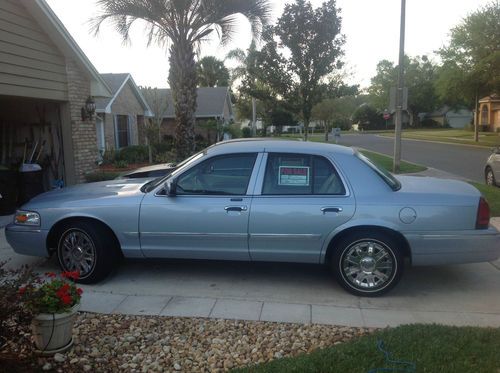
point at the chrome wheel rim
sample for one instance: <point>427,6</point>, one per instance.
<point>77,252</point>
<point>489,178</point>
<point>368,265</point>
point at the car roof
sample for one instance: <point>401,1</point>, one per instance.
<point>276,145</point>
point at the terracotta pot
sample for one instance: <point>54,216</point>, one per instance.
<point>54,332</point>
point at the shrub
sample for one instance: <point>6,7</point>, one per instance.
<point>165,157</point>
<point>120,164</point>
<point>246,132</point>
<point>101,176</point>
<point>133,154</point>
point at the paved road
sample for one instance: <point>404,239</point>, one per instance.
<point>464,161</point>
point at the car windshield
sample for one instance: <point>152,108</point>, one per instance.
<point>146,188</point>
<point>385,175</point>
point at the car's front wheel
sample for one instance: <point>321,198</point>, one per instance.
<point>489,177</point>
<point>88,248</point>
<point>367,263</point>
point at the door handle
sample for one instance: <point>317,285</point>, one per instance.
<point>235,208</point>
<point>326,209</point>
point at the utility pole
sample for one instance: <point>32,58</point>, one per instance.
<point>254,117</point>
<point>399,92</point>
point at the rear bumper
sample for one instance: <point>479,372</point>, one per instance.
<point>439,248</point>
<point>27,240</point>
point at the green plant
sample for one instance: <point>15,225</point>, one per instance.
<point>234,131</point>
<point>120,164</point>
<point>165,157</point>
<point>246,132</point>
<point>101,176</point>
<point>133,154</point>
<point>56,294</point>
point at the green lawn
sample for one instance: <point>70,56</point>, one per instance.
<point>492,195</point>
<point>433,349</point>
<point>385,162</point>
<point>454,136</point>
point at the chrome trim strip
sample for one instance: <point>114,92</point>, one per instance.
<point>285,236</point>
<point>194,234</point>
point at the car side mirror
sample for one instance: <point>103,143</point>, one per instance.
<point>170,187</point>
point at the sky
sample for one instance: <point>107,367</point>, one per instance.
<point>371,28</point>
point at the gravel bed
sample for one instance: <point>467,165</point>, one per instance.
<point>169,344</point>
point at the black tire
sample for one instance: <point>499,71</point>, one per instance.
<point>93,238</point>
<point>489,177</point>
<point>364,278</point>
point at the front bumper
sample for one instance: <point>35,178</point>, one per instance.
<point>27,240</point>
<point>468,246</point>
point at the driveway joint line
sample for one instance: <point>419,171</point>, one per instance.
<point>119,304</point>
<point>260,313</point>
<point>495,266</point>
<point>166,304</point>
<point>212,309</point>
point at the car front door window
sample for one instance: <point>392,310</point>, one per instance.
<point>220,175</point>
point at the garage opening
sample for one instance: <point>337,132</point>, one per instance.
<point>31,149</point>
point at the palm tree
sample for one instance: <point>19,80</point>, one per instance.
<point>183,25</point>
<point>247,63</point>
<point>212,72</point>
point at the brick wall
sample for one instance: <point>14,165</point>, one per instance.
<point>83,133</point>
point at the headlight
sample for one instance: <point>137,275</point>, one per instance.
<point>27,218</point>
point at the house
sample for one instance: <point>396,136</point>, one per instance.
<point>119,117</point>
<point>489,113</point>
<point>213,103</point>
<point>448,117</point>
<point>47,85</point>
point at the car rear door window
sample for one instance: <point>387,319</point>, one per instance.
<point>300,174</point>
<point>221,175</point>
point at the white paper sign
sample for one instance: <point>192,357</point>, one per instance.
<point>293,176</point>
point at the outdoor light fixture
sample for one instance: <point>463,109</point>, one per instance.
<point>89,109</point>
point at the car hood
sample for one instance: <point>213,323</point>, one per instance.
<point>100,193</point>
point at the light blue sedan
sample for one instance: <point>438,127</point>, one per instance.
<point>264,200</point>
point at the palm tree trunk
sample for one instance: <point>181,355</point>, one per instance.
<point>182,80</point>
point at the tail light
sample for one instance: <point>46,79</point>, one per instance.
<point>483,214</point>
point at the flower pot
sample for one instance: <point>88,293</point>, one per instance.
<point>53,332</point>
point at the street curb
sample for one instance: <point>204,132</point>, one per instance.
<point>439,142</point>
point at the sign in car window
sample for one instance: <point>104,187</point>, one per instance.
<point>293,175</point>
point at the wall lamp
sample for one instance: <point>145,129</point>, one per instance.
<point>88,110</point>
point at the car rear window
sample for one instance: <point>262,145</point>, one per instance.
<point>388,178</point>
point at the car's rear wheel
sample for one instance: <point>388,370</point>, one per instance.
<point>489,177</point>
<point>367,263</point>
<point>88,248</point>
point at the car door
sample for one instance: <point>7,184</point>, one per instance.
<point>301,200</point>
<point>207,218</point>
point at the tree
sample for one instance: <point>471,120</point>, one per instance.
<point>367,117</point>
<point>158,105</point>
<point>471,61</point>
<point>246,68</point>
<point>183,25</point>
<point>420,78</point>
<point>279,117</point>
<point>301,51</point>
<point>212,72</point>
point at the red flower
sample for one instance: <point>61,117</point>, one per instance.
<point>50,274</point>
<point>66,299</point>
<point>71,275</point>
<point>22,290</point>
<point>79,291</point>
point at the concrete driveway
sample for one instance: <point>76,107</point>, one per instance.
<point>455,295</point>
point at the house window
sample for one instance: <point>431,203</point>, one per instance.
<point>122,131</point>
<point>484,115</point>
